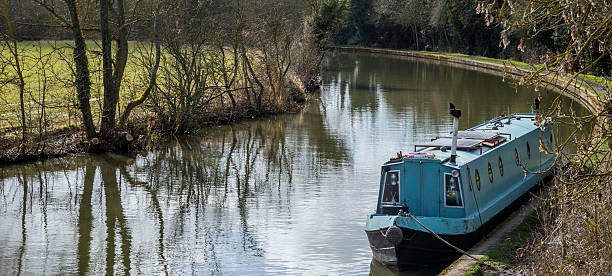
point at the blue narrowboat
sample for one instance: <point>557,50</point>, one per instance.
<point>455,187</point>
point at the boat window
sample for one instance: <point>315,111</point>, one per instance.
<point>501,167</point>
<point>452,190</point>
<point>391,189</point>
<point>477,177</point>
<point>516,156</point>
<point>490,173</point>
<point>528,151</point>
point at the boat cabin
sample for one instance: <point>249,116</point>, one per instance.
<point>494,163</point>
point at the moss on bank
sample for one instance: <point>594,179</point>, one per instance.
<point>478,268</point>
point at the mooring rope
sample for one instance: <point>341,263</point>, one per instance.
<point>446,242</point>
<point>386,233</point>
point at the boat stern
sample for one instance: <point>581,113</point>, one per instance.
<point>383,236</point>
<point>400,242</point>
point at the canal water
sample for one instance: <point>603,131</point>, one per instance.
<point>282,195</point>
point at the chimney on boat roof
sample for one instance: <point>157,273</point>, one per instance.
<point>456,113</point>
<point>508,122</point>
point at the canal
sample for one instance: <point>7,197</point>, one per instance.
<point>284,195</point>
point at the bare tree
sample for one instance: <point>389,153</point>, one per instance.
<point>112,70</point>
<point>82,72</point>
<point>153,78</point>
<point>113,26</point>
<point>10,41</point>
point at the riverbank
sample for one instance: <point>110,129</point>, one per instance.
<point>41,118</point>
<point>586,90</point>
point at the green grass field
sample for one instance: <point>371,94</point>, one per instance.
<point>48,74</point>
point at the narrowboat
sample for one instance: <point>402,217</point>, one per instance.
<point>454,187</point>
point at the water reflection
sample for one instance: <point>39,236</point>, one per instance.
<point>85,220</point>
<point>378,269</point>
<point>24,183</point>
<point>115,220</point>
<point>281,195</point>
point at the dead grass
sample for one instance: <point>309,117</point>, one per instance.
<point>572,238</point>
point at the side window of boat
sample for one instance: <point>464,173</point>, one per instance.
<point>528,151</point>
<point>452,190</point>
<point>490,173</point>
<point>501,167</point>
<point>391,188</point>
<point>477,177</point>
<point>516,156</point>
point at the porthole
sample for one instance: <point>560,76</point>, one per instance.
<point>528,151</point>
<point>477,177</point>
<point>551,141</point>
<point>516,156</point>
<point>490,173</point>
<point>501,167</point>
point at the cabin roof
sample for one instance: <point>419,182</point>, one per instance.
<point>472,143</point>
<point>447,142</point>
<point>473,134</point>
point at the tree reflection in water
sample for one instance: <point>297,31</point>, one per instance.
<point>199,200</point>
<point>24,184</point>
<point>85,223</point>
<point>114,219</point>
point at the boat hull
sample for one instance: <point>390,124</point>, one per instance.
<point>418,248</point>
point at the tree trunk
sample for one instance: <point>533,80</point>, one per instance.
<point>254,76</point>
<point>21,85</point>
<point>110,97</point>
<point>416,37</point>
<point>145,94</point>
<point>227,83</point>
<point>121,56</point>
<point>83,83</point>
<point>21,94</point>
